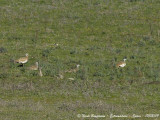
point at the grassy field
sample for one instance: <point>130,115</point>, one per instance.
<point>93,33</point>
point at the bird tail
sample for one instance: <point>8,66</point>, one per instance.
<point>16,61</point>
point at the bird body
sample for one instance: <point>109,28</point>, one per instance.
<point>22,60</point>
<point>34,67</point>
<point>40,72</point>
<point>122,63</point>
<point>73,70</point>
<point>60,76</point>
<point>71,78</point>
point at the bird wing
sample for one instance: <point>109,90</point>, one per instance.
<point>120,63</point>
<point>68,71</point>
<point>21,59</point>
<point>33,67</point>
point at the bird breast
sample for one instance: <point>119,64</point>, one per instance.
<point>122,65</point>
<point>23,61</point>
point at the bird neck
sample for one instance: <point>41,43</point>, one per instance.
<point>40,72</point>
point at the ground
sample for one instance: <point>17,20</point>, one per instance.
<point>96,34</point>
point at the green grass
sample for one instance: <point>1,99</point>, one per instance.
<point>93,33</point>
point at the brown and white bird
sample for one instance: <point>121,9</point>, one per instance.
<point>34,67</point>
<point>71,78</point>
<point>22,60</point>
<point>40,72</point>
<point>73,70</point>
<point>121,64</point>
<point>60,75</point>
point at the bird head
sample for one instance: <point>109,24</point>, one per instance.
<point>26,54</point>
<point>78,65</point>
<point>37,63</point>
<point>124,59</point>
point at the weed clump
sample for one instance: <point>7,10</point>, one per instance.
<point>45,53</point>
<point>82,74</point>
<point>3,75</point>
<point>3,50</point>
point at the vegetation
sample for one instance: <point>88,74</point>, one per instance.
<point>93,33</point>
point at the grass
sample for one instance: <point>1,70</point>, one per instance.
<point>93,33</point>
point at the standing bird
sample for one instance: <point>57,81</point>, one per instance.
<point>34,67</point>
<point>22,60</point>
<point>60,75</point>
<point>73,70</point>
<point>121,64</point>
<point>40,72</point>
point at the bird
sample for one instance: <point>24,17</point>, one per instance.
<point>60,76</point>
<point>34,67</point>
<point>71,78</point>
<point>122,63</point>
<point>56,44</point>
<point>40,72</point>
<point>73,70</point>
<point>22,60</point>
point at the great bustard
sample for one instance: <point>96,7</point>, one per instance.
<point>60,75</point>
<point>22,60</point>
<point>34,67</point>
<point>122,63</point>
<point>73,70</point>
<point>40,72</point>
